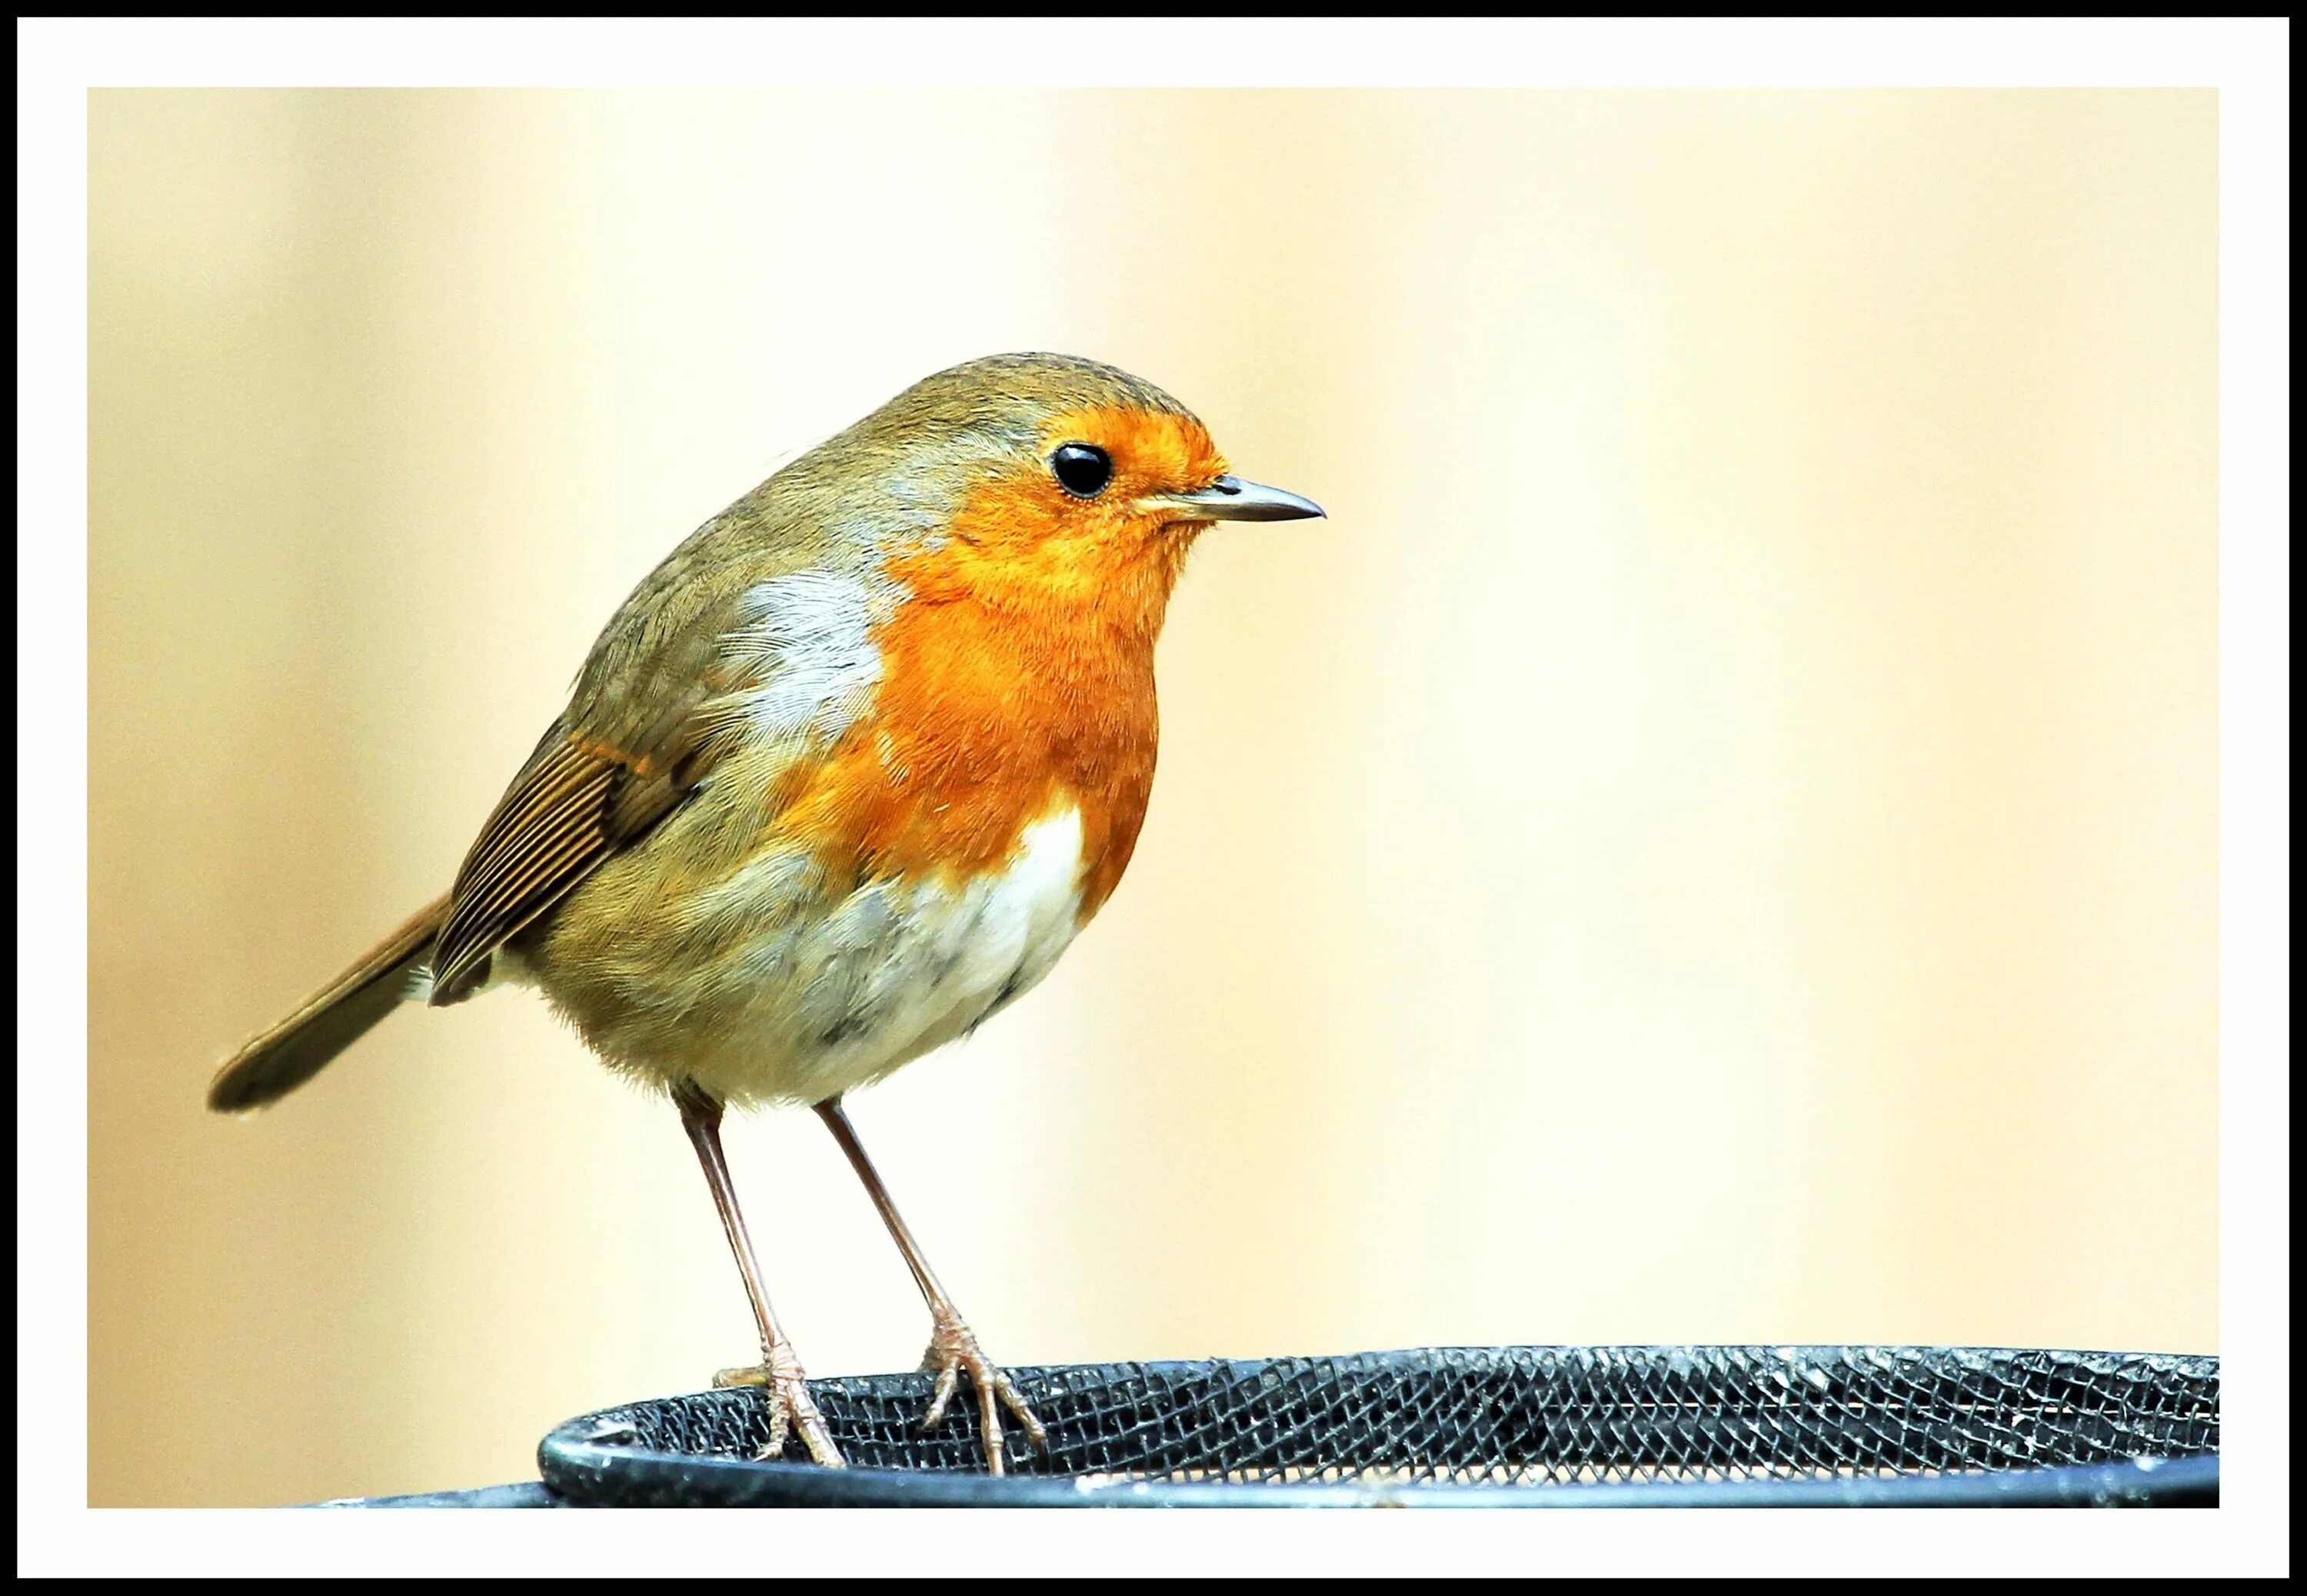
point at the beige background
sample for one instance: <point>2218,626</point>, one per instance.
<point>1714,840</point>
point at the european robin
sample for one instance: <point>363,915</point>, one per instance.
<point>839,781</point>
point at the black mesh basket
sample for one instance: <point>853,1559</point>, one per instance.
<point>1526,1426</point>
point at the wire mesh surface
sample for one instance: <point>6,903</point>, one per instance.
<point>1536,1425</point>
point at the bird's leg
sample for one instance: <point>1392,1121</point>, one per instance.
<point>790,1403</point>
<point>953,1348</point>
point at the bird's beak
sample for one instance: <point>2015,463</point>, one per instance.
<point>1229,499</point>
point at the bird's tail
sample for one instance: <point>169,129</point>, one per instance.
<point>278,1060</point>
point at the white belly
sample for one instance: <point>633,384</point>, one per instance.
<point>828,994</point>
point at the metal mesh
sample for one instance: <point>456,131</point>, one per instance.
<point>1515,1416</point>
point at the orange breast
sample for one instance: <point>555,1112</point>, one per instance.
<point>1018,677</point>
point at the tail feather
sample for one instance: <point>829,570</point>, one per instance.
<point>278,1060</point>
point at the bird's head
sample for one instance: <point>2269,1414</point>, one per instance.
<point>1036,477</point>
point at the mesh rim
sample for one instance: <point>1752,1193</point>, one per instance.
<point>1536,1426</point>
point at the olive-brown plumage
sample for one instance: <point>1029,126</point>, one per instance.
<point>841,779</point>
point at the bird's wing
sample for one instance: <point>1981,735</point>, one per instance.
<point>581,798</point>
<point>650,718</point>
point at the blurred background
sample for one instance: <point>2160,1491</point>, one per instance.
<point>1713,840</point>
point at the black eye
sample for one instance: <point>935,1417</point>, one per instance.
<point>1083,469</point>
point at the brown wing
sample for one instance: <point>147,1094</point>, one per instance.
<point>578,801</point>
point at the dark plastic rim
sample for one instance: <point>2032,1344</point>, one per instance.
<point>592,1461</point>
<point>579,1469</point>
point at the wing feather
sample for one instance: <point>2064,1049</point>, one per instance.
<point>581,796</point>
<point>550,821</point>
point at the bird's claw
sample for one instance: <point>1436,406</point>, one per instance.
<point>953,1352</point>
<point>791,1408</point>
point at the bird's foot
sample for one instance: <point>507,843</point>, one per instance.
<point>954,1352</point>
<point>791,1406</point>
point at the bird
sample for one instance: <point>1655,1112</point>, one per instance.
<point>839,781</point>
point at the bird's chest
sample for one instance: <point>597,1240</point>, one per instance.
<point>982,724</point>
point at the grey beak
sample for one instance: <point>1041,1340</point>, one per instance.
<point>1229,499</point>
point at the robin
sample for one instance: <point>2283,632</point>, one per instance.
<point>839,781</point>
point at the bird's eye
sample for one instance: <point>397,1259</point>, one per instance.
<point>1083,469</point>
